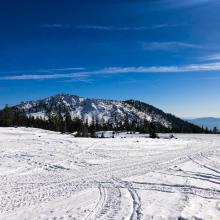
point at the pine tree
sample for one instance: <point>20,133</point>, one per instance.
<point>68,122</point>
<point>215,130</point>
<point>113,134</point>
<point>144,127</point>
<point>152,131</point>
<point>92,128</point>
<point>102,135</point>
<point>7,117</point>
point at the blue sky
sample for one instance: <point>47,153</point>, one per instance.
<point>163,52</point>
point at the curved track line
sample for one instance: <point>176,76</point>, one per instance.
<point>100,204</point>
<point>137,211</point>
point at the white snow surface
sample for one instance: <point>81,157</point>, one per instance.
<point>47,175</point>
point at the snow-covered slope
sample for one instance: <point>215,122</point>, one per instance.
<point>47,175</point>
<point>98,109</point>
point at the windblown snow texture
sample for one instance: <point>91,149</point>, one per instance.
<point>47,175</point>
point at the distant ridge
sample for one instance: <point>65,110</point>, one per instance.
<point>209,122</point>
<point>103,111</point>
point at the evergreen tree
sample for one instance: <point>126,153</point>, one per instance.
<point>92,129</point>
<point>102,135</point>
<point>144,127</point>
<point>152,131</point>
<point>113,134</point>
<point>215,130</point>
<point>68,122</point>
<point>61,121</point>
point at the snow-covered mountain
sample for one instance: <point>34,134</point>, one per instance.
<point>102,110</point>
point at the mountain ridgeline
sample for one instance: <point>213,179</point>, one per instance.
<point>70,113</point>
<point>209,122</point>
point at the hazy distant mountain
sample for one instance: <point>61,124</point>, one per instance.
<point>102,110</point>
<point>209,122</point>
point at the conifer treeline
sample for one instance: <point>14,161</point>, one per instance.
<point>63,122</point>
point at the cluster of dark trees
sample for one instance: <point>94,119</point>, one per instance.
<point>62,122</point>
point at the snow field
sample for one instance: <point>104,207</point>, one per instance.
<point>47,175</point>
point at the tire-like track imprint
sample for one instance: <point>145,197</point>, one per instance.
<point>39,168</point>
<point>137,212</point>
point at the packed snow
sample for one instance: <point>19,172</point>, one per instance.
<point>47,175</point>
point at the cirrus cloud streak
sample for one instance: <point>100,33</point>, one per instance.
<point>207,67</point>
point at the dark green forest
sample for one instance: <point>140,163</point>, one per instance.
<point>12,117</point>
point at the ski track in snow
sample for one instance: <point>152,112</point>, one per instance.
<point>47,175</point>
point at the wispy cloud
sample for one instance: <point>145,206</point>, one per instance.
<point>55,26</point>
<point>109,28</point>
<point>127,28</point>
<point>170,46</point>
<point>45,76</point>
<point>87,75</point>
<point>67,69</point>
<point>187,3</point>
<point>183,4</point>
<point>212,57</point>
<point>83,79</point>
<point>165,69</point>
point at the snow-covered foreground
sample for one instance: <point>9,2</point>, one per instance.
<point>47,175</point>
